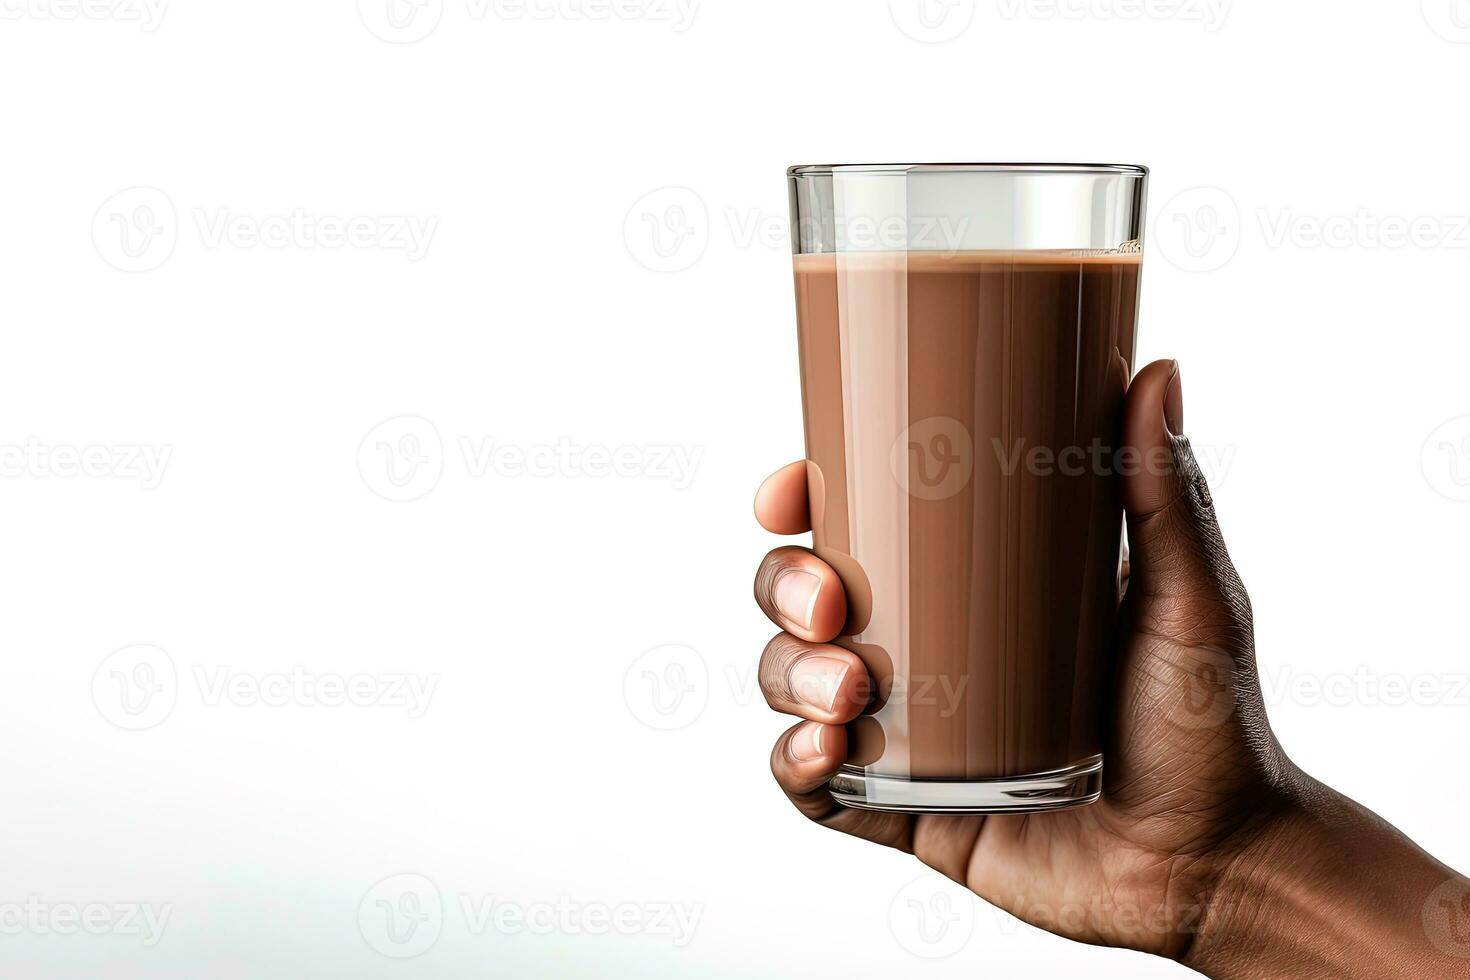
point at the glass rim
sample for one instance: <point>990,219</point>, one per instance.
<point>899,169</point>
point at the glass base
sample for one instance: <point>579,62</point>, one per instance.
<point>1060,789</point>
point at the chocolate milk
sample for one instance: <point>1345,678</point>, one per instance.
<point>961,412</point>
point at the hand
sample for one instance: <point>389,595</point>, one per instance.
<point>1198,797</point>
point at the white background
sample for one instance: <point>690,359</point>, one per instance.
<point>1324,380</point>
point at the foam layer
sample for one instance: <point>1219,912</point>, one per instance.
<point>967,261</point>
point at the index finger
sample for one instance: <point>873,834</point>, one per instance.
<point>781,503</point>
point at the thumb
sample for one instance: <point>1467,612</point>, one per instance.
<point>1182,585</point>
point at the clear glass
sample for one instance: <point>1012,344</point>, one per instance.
<point>966,336</point>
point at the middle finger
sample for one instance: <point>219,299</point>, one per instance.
<point>816,681</point>
<point>801,594</point>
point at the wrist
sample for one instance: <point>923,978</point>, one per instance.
<point>1318,886</point>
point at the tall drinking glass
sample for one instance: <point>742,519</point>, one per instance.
<point>966,336</point>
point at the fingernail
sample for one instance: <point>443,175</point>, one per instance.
<point>806,744</point>
<point>795,592</point>
<point>1174,404</point>
<point>816,680</point>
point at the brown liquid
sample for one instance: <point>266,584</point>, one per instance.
<point>982,574</point>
